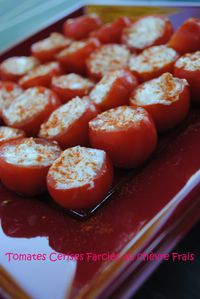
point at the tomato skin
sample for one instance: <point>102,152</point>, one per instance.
<point>111,33</point>
<point>155,72</point>
<point>32,126</point>
<point>41,80</point>
<point>187,38</point>
<point>76,133</point>
<point>128,147</point>
<point>80,27</point>
<point>146,76</point>
<point>75,62</point>
<point>119,92</point>
<point>67,93</point>
<point>109,57</point>
<point>193,78</point>
<point>83,197</point>
<point>26,181</point>
<point>48,54</point>
<point>168,31</point>
<point>168,116</point>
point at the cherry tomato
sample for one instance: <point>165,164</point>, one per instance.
<point>111,33</point>
<point>8,134</point>
<point>24,164</point>
<point>127,134</point>
<point>114,89</point>
<point>166,98</point>
<point>69,86</point>
<point>146,32</point>
<point>79,28</point>
<point>80,178</point>
<point>110,57</point>
<point>30,109</point>
<point>41,75</point>
<point>68,125</point>
<point>188,67</point>
<point>73,58</point>
<point>8,92</point>
<point>187,37</point>
<point>12,69</point>
<point>153,62</point>
<point>46,49</point>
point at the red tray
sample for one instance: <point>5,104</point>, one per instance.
<point>149,209</point>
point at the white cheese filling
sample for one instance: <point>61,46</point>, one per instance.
<point>77,167</point>
<point>7,96</point>
<point>108,58</point>
<point>164,90</point>
<point>27,105</point>
<point>101,89</point>
<point>189,62</point>
<point>118,118</point>
<point>39,71</point>
<point>64,116</point>
<point>31,153</point>
<point>72,81</point>
<point>55,40</point>
<point>19,65</point>
<point>7,133</point>
<point>152,58</point>
<point>144,32</point>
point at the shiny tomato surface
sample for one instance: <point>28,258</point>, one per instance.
<point>73,59</point>
<point>30,109</point>
<point>166,98</point>
<point>187,38</point>
<point>80,178</point>
<point>68,124</point>
<point>41,75</point>
<point>127,134</point>
<point>24,164</point>
<point>111,32</point>
<point>113,89</point>
<point>70,86</point>
<point>80,27</point>
<point>188,67</point>
<point>46,49</point>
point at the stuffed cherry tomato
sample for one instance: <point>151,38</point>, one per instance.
<point>80,178</point>
<point>8,92</point>
<point>73,58</point>
<point>41,75</point>
<point>30,109</point>
<point>114,89</point>
<point>68,125</point>
<point>8,134</point>
<point>111,33</point>
<point>107,58</point>
<point>188,67</point>
<point>12,69</point>
<point>24,164</point>
<point>187,37</point>
<point>46,49</point>
<point>70,86</point>
<point>146,32</point>
<point>80,27</point>
<point>127,134</point>
<point>153,62</point>
<point>166,98</point>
